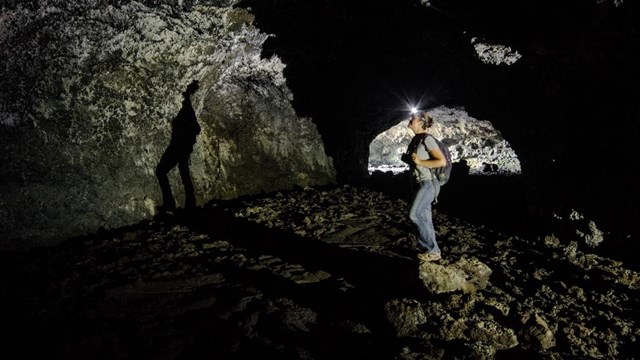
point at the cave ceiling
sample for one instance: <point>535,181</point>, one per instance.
<point>362,61</point>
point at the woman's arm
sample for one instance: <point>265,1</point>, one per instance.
<point>437,159</point>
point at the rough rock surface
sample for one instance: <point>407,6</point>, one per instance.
<point>88,92</point>
<point>319,273</point>
<point>466,275</point>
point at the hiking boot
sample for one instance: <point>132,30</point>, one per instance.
<point>429,256</point>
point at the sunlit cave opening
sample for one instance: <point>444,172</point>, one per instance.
<point>474,141</point>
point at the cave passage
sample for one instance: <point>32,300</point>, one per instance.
<point>476,143</point>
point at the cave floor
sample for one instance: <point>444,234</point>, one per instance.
<point>301,275</point>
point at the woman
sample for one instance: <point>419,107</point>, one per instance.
<point>425,154</point>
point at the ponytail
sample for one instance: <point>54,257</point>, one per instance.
<point>427,120</point>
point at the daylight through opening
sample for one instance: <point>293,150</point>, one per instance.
<point>475,141</point>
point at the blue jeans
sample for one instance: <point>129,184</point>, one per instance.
<point>420,214</point>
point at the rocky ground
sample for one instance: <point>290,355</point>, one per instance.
<point>316,273</point>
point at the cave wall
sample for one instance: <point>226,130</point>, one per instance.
<point>88,92</point>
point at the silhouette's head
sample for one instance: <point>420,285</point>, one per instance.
<point>193,87</point>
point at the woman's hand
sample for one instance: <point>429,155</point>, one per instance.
<point>415,159</point>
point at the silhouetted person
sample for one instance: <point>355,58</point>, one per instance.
<point>184,129</point>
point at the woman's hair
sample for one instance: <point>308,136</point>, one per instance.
<point>427,120</point>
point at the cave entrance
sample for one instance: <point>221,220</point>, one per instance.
<point>474,141</point>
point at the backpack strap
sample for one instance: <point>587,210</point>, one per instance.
<point>434,181</point>
<point>420,141</point>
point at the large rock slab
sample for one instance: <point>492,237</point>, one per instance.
<point>467,275</point>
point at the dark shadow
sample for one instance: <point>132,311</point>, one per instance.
<point>184,129</point>
<point>375,278</point>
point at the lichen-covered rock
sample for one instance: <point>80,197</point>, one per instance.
<point>461,318</point>
<point>89,91</point>
<point>405,315</point>
<point>536,331</point>
<point>466,275</point>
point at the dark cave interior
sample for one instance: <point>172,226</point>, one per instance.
<point>568,106</point>
<point>214,282</point>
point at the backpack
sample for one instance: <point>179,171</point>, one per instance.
<point>442,173</point>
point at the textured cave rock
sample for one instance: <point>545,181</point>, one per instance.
<point>467,275</point>
<point>89,89</point>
